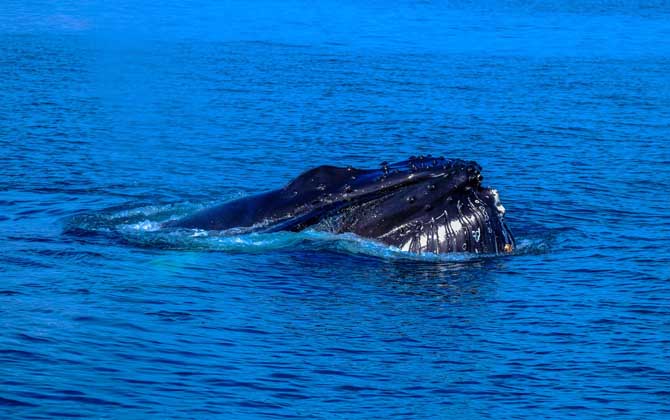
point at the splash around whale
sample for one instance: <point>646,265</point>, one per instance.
<point>420,205</point>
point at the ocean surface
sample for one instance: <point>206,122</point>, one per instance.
<point>115,117</point>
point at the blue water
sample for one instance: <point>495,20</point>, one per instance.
<point>116,117</point>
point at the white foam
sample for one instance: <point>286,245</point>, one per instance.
<point>144,226</point>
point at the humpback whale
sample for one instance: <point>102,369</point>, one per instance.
<point>423,204</point>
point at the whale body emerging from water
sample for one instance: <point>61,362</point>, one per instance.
<point>423,204</point>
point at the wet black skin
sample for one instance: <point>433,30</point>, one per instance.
<point>423,204</point>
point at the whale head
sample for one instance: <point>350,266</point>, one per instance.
<point>423,204</point>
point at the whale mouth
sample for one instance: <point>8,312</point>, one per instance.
<point>433,205</point>
<point>469,219</point>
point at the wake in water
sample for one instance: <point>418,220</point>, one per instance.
<point>142,226</point>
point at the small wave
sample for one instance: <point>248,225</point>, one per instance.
<point>532,246</point>
<point>147,217</point>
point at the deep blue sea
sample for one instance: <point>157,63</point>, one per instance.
<point>115,116</point>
